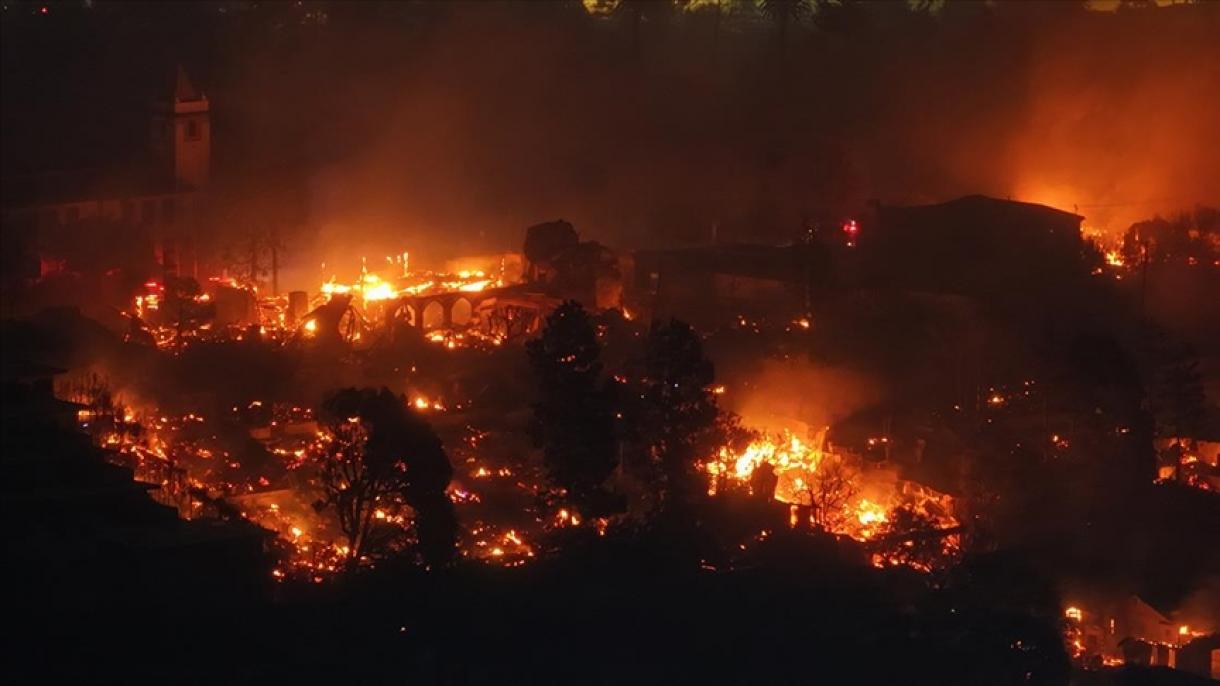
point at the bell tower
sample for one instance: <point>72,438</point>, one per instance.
<point>182,134</point>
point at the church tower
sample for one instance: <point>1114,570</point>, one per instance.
<point>182,135</point>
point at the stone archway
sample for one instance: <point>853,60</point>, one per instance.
<point>460,312</point>
<point>433,316</point>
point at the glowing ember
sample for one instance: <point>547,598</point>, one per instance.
<point>371,287</point>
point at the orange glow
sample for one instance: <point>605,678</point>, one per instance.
<point>860,508</point>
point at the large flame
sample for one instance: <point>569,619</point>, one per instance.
<point>865,499</point>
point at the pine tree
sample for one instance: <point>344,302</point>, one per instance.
<point>677,413</point>
<point>573,417</point>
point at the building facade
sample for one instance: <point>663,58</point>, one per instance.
<point>162,194</point>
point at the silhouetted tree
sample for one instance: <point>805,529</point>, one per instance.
<point>1176,390</point>
<point>1104,389</point>
<point>677,413</point>
<point>381,457</point>
<point>1189,236</point>
<point>253,254</point>
<point>831,486</point>
<point>573,418</point>
<point>545,242</point>
<point>183,305</point>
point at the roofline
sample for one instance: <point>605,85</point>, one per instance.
<point>976,197</point>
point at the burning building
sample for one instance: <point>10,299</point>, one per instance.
<point>1194,461</point>
<point>1132,631</point>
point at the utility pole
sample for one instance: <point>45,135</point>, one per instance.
<point>1144,259</point>
<point>275,261</point>
<point>254,259</point>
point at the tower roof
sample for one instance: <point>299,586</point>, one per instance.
<point>181,96</point>
<point>184,90</point>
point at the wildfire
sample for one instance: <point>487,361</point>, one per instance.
<point>791,458</point>
<point>196,475</point>
<point>371,287</point>
<point>870,515</point>
<point>171,320</point>
<point>831,491</point>
<point>423,404</point>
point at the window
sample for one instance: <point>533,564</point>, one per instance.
<point>193,130</point>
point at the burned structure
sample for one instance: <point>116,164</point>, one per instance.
<point>562,266</point>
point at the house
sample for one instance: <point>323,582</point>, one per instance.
<point>1131,630</point>
<point>970,246</point>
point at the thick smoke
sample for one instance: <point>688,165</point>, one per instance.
<point>500,118</point>
<point>778,395</point>
<point>446,128</point>
<point>1123,117</point>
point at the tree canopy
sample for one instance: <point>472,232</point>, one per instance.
<point>573,417</point>
<point>382,456</point>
